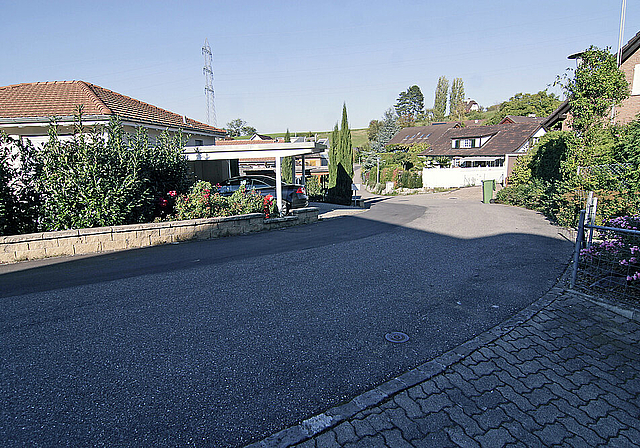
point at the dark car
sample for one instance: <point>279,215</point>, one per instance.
<point>293,196</point>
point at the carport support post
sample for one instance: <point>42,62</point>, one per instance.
<point>279,183</point>
<point>304,176</point>
<point>293,169</point>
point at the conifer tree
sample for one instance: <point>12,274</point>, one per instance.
<point>287,162</point>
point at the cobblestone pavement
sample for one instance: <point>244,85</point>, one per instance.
<point>565,371</point>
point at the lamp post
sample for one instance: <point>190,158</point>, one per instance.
<point>378,171</point>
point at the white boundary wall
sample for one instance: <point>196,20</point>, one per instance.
<point>461,177</point>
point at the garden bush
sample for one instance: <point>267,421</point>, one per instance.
<point>204,201</point>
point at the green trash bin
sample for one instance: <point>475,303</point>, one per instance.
<point>488,186</point>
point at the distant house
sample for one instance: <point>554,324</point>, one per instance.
<point>479,153</point>
<point>315,163</point>
<point>261,138</point>
<point>629,109</point>
<point>471,106</point>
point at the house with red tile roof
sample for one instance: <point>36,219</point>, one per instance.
<point>26,110</point>
<point>478,153</point>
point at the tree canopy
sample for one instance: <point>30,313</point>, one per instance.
<point>238,127</point>
<point>456,99</point>
<point>410,104</point>
<point>597,85</point>
<point>539,104</point>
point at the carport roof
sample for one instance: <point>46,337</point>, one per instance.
<point>252,151</point>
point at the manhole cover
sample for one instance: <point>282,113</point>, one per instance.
<point>396,336</point>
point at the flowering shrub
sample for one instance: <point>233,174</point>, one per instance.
<point>205,201</point>
<point>620,251</point>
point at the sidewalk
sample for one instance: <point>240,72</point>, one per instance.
<point>563,371</point>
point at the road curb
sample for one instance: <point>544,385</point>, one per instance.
<point>336,415</point>
<point>628,311</point>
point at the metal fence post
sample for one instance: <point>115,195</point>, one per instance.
<point>576,251</point>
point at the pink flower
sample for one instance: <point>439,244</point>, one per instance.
<point>172,193</point>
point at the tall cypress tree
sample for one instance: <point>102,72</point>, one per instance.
<point>287,162</point>
<point>333,157</point>
<point>346,147</point>
<point>440,104</point>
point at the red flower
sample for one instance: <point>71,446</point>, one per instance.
<point>172,193</point>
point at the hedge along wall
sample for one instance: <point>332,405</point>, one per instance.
<point>33,246</point>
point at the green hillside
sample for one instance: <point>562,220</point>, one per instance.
<point>358,136</point>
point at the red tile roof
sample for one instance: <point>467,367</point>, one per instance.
<point>505,139</point>
<point>61,98</point>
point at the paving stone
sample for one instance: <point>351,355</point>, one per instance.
<point>416,392</point>
<point>435,403</point>
<point>553,434</point>
<point>523,418</point>
<point>409,428</point>
<point>490,399</point>
<point>462,419</point>
<point>411,407</point>
<point>460,438</point>
<point>535,381</point>
<point>368,442</point>
<point>621,442</point>
<point>433,423</point>
<point>587,434</point>
<point>608,427</point>
<point>434,439</point>
<point>631,433</point>
<point>465,386</point>
<point>597,409</point>
<point>630,419</point>
<point>540,396</point>
<point>345,433</point>
<point>486,383</point>
<point>508,380</point>
<point>495,437</point>
<point>465,372</point>
<point>311,443</point>
<point>363,428</point>
<point>522,435</point>
<point>394,438</point>
<point>588,392</point>
<point>327,440</point>
<point>573,411</point>
<point>459,399</point>
<point>380,422</point>
<point>546,414</point>
<point>492,418</point>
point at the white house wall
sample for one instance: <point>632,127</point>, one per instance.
<point>460,177</point>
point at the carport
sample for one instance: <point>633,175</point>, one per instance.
<point>258,151</point>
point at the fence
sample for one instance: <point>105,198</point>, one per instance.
<point>607,259</point>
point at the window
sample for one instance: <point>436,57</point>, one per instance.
<point>467,143</point>
<point>199,143</point>
<point>635,87</point>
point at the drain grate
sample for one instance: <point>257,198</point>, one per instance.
<point>396,336</point>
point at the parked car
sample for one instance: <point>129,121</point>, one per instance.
<point>293,196</point>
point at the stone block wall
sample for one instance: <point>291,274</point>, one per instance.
<point>32,246</point>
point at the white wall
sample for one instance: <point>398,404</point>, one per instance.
<point>460,177</point>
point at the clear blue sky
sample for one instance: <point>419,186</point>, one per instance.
<point>282,65</point>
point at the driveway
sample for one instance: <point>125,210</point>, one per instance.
<point>223,342</point>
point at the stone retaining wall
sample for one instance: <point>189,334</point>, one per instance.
<point>33,246</point>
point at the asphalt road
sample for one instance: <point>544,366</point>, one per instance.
<point>222,342</point>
